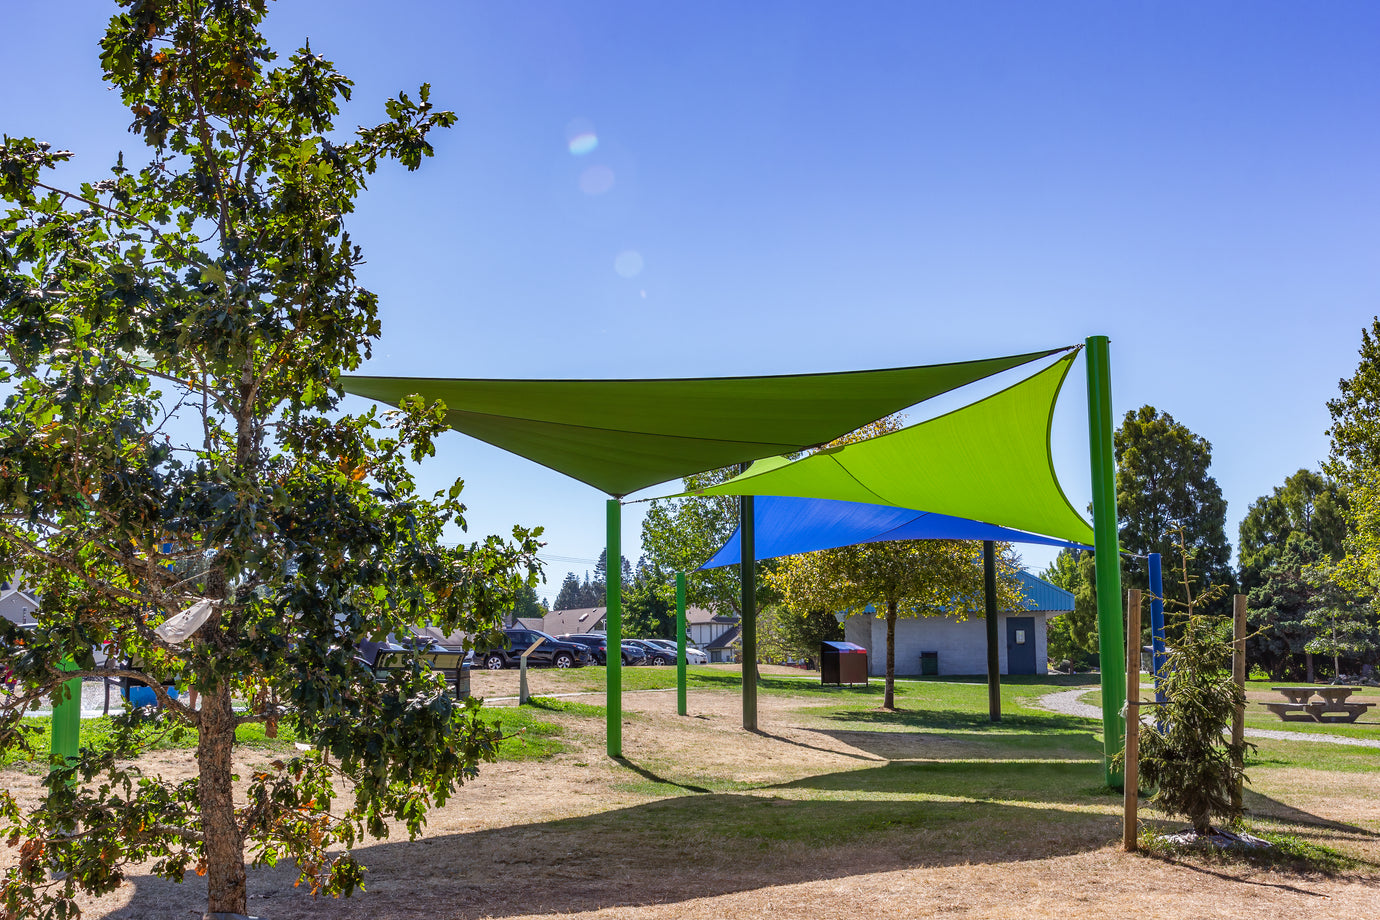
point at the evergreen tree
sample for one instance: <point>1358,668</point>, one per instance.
<point>1162,484</point>
<point>1074,635</point>
<point>527,604</point>
<point>571,595</point>
<point>1279,607</point>
<point>1307,503</point>
<point>1342,622</point>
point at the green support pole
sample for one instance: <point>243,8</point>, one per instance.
<point>1110,635</point>
<point>66,739</point>
<point>748,568</point>
<point>680,643</point>
<point>613,671</point>
<point>989,586</point>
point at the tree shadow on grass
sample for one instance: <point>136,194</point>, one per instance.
<point>1262,806</point>
<point>1062,783</point>
<point>667,851</point>
<point>954,719</point>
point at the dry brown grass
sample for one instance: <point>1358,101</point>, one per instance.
<point>687,827</point>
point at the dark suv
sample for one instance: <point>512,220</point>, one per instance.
<point>598,645</point>
<point>552,652</point>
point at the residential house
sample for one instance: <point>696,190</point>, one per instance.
<point>17,603</point>
<point>718,636</point>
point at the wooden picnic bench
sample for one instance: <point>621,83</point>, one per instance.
<point>1333,707</point>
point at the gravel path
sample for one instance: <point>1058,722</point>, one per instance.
<point>1068,703</point>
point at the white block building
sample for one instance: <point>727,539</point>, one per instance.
<point>952,646</point>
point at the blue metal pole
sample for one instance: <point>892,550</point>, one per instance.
<point>1157,623</point>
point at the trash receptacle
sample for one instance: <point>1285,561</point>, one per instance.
<point>929,664</point>
<point>842,663</point>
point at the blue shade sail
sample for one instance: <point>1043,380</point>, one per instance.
<point>787,526</point>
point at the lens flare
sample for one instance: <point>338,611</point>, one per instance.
<point>628,263</point>
<point>596,180</point>
<point>584,143</point>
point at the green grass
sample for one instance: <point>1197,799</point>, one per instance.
<point>527,736</point>
<point>713,678</point>
<point>97,732</point>
<point>1288,853</point>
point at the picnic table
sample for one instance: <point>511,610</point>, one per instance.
<point>1333,707</point>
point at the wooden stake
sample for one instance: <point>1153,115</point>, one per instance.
<point>1238,675</point>
<point>1131,789</point>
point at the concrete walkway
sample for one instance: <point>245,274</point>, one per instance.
<point>1069,703</point>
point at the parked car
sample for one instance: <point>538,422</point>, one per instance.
<point>692,654</point>
<point>655,653</point>
<point>552,652</point>
<point>632,654</point>
<point>597,645</point>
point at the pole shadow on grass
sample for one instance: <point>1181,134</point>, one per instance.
<point>648,774</point>
<point>827,750</point>
<point>666,851</point>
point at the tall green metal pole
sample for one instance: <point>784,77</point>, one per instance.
<point>989,585</point>
<point>613,671</point>
<point>680,643</point>
<point>66,736</point>
<point>1110,635</point>
<point>748,568</point>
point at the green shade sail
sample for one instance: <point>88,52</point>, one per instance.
<point>621,436</point>
<point>989,461</point>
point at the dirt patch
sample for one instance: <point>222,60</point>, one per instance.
<point>703,819</point>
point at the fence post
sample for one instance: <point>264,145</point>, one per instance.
<point>1238,676</point>
<point>1131,790</point>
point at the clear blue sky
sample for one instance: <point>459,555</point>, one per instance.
<point>785,187</point>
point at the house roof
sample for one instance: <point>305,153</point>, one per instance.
<point>531,623</point>
<point>698,616</point>
<point>726,639</point>
<point>1041,595</point>
<point>574,620</point>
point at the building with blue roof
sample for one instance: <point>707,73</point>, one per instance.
<point>945,645</point>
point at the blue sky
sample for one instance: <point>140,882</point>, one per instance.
<point>792,187</point>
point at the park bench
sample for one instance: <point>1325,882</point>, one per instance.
<point>450,663</point>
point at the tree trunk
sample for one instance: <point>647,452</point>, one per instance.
<point>889,701</point>
<point>226,888</point>
<point>1308,656</point>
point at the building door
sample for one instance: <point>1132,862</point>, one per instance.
<point>1020,645</point>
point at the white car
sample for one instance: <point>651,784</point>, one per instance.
<point>692,654</point>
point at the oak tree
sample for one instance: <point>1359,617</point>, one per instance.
<point>172,338</point>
